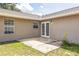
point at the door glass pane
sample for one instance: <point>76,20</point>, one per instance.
<point>47,29</point>
<point>43,29</point>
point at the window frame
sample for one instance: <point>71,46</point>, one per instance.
<point>35,25</point>
<point>13,26</point>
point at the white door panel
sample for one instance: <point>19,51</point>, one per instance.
<point>45,29</point>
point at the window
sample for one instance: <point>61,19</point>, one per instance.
<point>35,25</point>
<point>8,26</point>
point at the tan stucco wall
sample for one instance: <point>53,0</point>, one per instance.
<point>23,29</point>
<point>66,27</point>
<point>58,28</point>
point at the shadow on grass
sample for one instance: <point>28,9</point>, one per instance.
<point>8,42</point>
<point>71,47</point>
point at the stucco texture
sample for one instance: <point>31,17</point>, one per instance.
<point>65,27</point>
<point>23,28</point>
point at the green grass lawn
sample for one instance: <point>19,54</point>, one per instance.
<point>18,48</point>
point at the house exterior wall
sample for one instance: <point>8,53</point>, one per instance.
<point>65,27</point>
<point>23,29</point>
<point>60,28</point>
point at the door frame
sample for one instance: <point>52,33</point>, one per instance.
<point>45,29</point>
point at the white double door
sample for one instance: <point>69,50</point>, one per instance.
<point>45,29</point>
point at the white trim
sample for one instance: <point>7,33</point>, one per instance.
<point>41,29</point>
<point>49,29</point>
<point>9,25</point>
<point>45,29</point>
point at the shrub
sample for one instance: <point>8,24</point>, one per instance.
<point>65,42</point>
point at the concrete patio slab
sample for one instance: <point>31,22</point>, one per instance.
<point>40,46</point>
